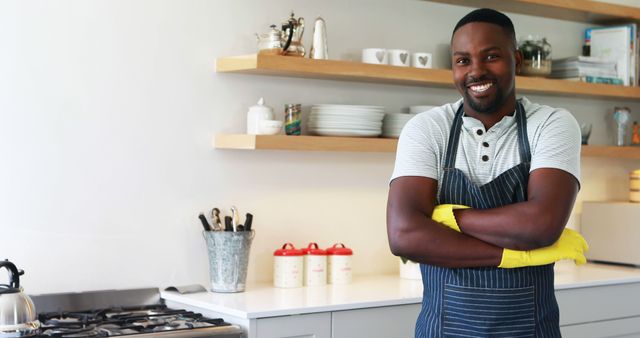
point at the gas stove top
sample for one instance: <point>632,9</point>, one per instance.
<point>63,315</point>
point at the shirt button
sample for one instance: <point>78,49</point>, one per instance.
<point>479,132</point>
<point>485,158</point>
<point>485,144</point>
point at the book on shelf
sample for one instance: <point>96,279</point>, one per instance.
<point>596,79</point>
<point>584,71</point>
<point>617,44</point>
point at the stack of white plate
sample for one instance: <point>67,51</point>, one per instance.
<point>393,123</point>
<point>346,120</point>
<point>419,109</point>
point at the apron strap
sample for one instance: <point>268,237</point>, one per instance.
<point>523,138</point>
<point>452,145</point>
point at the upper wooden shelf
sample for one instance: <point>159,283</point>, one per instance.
<point>359,144</point>
<point>595,12</point>
<point>363,72</point>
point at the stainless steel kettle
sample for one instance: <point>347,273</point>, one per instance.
<point>17,312</point>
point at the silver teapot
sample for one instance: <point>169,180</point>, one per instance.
<point>287,41</point>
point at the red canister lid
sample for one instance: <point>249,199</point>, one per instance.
<point>313,249</point>
<point>291,251</point>
<point>342,251</point>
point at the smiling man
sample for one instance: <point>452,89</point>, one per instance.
<point>481,192</point>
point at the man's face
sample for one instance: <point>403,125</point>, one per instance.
<point>484,62</point>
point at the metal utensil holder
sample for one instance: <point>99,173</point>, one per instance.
<point>228,259</point>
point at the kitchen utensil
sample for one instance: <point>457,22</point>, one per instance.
<point>377,56</point>
<point>248,220</point>
<point>621,117</point>
<point>256,115</point>
<point>228,223</point>
<point>215,217</point>
<point>288,266</point>
<point>17,312</point>
<point>399,57</point>
<point>234,217</point>
<point>205,223</point>
<point>319,49</point>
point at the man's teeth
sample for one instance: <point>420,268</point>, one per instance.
<point>481,88</point>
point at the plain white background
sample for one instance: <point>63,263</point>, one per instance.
<point>108,111</point>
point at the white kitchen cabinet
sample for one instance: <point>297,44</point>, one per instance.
<point>626,327</point>
<point>317,325</point>
<point>600,311</point>
<point>378,322</point>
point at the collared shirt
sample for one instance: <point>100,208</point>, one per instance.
<point>554,136</point>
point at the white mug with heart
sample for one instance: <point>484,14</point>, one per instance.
<point>376,56</point>
<point>421,60</point>
<point>399,57</point>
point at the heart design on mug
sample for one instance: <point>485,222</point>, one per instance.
<point>380,55</point>
<point>423,60</point>
<point>403,57</point>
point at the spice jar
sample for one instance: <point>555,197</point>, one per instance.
<point>339,264</point>
<point>287,267</point>
<point>536,56</point>
<point>292,119</point>
<point>634,186</point>
<point>315,265</point>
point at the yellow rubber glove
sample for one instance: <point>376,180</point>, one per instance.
<point>443,213</point>
<point>570,245</point>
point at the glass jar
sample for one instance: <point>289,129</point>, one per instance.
<point>292,119</point>
<point>536,56</point>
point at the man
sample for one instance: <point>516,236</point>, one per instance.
<point>487,270</point>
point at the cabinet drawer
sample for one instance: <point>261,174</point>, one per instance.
<point>317,325</point>
<point>627,327</point>
<point>598,303</point>
<point>397,321</point>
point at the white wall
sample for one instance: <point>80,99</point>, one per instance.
<point>108,109</point>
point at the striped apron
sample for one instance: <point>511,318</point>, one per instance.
<point>487,301</point>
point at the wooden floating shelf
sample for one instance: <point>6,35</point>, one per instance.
<point>359,144</point>
<point>594,12</point>
<point>356,71</point>
<point>305,143</point>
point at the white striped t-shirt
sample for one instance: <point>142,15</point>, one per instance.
<point>554,138</point>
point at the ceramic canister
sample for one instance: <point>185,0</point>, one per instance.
<point>287,267</point>
<point>339,264</point>
<point>315,265</point>
<point>634,186</point>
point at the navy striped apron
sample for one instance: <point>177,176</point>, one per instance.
<point>487,301</point>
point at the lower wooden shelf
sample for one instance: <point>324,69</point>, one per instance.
<point>359,144</point>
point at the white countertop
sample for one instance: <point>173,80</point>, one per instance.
<point>264,300</point>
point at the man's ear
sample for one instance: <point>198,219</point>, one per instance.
<point>518,56</point>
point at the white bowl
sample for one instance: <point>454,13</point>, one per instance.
<point>270,127</point>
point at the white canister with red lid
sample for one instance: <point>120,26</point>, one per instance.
<point>315,265</point>
<point>339,264</point>
<point>287,267</point>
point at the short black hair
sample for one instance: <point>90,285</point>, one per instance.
<point>490,16</point>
